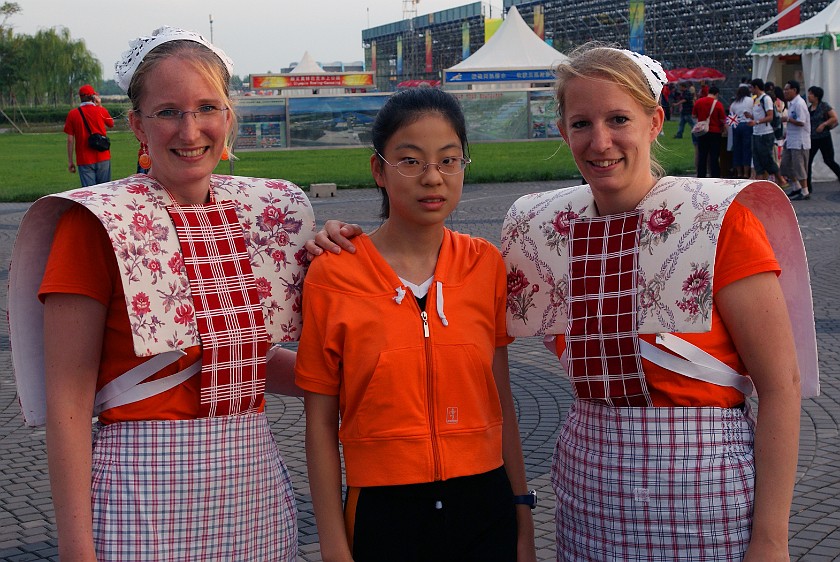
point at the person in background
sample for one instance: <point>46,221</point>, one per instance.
<point>94,166</point>
<point>780,106</point>
<point>403,356</point>
<point>686,107</point>
<point>823,119</point>
<point>708,146</point>
<point>797,142</point>
<point>666,101</point>
<point>741,132</point>
<point>161,326</point>
<point>763,140</point>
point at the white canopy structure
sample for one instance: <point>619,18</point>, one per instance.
<point>307,65</point>
<point>514,54</point>
<point>817,41</point>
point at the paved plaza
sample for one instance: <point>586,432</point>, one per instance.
<point>27,529</point>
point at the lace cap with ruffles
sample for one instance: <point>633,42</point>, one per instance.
<point>130,60</point>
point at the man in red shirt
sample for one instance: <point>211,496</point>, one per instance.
<point>94,166</point>
<point>708,146</point>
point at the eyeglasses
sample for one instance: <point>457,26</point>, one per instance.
<point>412,167</point>
<point>203,112</point>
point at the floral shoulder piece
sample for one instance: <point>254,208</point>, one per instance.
<point>276,218</point>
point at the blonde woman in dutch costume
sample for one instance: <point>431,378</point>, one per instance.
<point>161,295</point>
<point>672,301</point>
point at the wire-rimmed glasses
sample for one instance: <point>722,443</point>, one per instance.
<point>414,167</point>
<point>175,115</point>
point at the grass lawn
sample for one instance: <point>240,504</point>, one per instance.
<point>35,164</point>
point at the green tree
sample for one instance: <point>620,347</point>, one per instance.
<point>11,64</point>
<point>10,59</point>
<point>110,88</point>
<point>55,66</point>
<point>7,10</point>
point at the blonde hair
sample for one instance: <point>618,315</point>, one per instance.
<point>599,61</point>
<point>202,59</point>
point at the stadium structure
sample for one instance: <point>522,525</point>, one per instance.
<point>679,33</point>
<point>421,47</point>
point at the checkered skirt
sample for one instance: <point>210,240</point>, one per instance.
<point>654,484</point>
<point>192,490</point>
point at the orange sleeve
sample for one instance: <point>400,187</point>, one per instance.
<point>743,248</point>
<point>81,260</point>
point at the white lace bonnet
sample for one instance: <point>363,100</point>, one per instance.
<point>653,71</point>
<point>140,47</point>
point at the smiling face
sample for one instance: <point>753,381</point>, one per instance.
<point>610,135</point>
<point>428,199</point>
<point>184,151</point>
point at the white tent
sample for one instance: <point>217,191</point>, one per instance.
<point>513,54</point>
<point>307,65</point>
<point>817,41</point>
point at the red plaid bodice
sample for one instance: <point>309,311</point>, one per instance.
<point>228,312</point>
<point>602,337</point>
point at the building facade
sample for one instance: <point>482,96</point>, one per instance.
<point>421,47</point>
<point>679,33</point>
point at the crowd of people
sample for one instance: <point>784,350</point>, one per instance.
<point>770,131</point>
<point>175,283</point>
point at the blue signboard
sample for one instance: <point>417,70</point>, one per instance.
<point>501,76</point>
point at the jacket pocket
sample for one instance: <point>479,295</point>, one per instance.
<point>394,401</point>
<point>466,396</point>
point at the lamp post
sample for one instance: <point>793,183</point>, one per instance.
<point>211,28</point>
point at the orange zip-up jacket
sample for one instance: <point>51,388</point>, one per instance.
<point>417,396</point>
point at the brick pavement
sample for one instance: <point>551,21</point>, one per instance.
<point>27,530</point>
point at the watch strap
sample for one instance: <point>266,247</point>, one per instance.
<point>529,499</point>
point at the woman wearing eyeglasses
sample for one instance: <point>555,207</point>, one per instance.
<point>161,294</point>
<point>405,343</point>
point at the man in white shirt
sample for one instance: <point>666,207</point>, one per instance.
<point>797,141</point>
<point>763,140</point>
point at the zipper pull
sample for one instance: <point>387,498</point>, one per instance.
<point>425,318</point>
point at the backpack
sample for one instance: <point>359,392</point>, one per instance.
<point>776,122</point>
<point>778,131</point>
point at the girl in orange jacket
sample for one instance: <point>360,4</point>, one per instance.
<point>404,343</point>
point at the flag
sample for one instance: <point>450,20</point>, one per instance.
<point>731,120</point>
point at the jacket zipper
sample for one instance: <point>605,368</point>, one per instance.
<point>430,392</point>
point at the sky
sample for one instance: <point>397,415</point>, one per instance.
<point>259,35</point>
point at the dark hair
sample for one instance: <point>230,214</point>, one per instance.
<point>757,83</point>
<point>817,91</point>
<point>714,90</point>
<point>742,92</point>
<point>794,85</point>
<point>779,94</point>
<point>408,106</point>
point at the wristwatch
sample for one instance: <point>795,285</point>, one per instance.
<point>529,499</point>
